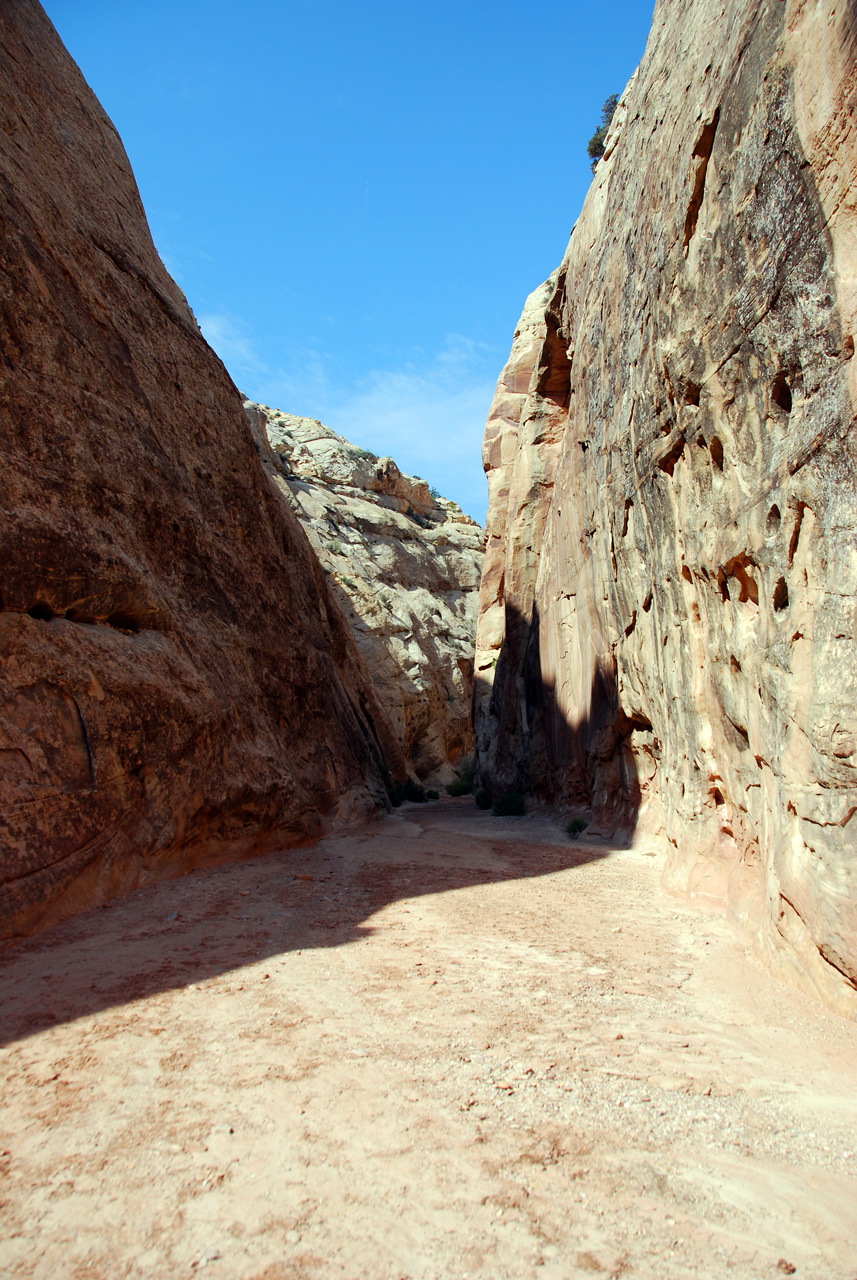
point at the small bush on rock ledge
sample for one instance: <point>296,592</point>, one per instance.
<point>575,827</point>
<point>463,784</point>
<point>595,146</point>
<point>509,804</point>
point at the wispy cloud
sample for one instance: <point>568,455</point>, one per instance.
<point>430,421</point>
<point>230,340</point>
<point>428,414</point>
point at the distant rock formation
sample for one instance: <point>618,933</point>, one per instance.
<point>405,567</point>
<point>177,684</point>
<point>667,629</point>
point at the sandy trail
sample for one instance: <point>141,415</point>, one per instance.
<point>464,1048</point>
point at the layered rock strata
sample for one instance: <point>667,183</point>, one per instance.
<point>405,566</point>
<point>177,683</point>
<point>666,636</point>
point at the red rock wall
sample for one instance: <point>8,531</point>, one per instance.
<point>176,682</point>
<point>668,608</point>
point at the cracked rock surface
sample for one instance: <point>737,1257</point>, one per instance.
<point>404,564</point>
<point>666,636</point>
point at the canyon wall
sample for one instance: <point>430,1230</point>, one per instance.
<point>177,683</point>
<point>667,615</point>
<point>404,565</point>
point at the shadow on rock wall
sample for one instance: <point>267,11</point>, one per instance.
<point>572,748</point>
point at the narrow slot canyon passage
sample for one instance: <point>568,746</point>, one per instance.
<point>442,1045</point>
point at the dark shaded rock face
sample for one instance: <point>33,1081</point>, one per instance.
<point>176,683</point>
<point>667,615</point>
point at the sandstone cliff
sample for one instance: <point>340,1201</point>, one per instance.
<point>177,683</point>
<point>405,567</point>
<point>667,619</point>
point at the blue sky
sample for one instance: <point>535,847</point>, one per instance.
<point>357,197</point>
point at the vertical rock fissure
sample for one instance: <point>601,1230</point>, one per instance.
<point>702,155</point>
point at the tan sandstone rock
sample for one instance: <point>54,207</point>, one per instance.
<point>177,684</point>
<point>666,639</point>
<point>405,568</point>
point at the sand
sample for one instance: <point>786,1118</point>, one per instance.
<point>443,1045</point>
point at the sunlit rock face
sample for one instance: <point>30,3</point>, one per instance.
<point>405,567</point>
<point>177,683</point>
<point>666,636</point>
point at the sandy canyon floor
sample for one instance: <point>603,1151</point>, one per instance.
<point>444,1045</point>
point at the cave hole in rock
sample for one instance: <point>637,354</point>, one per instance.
<point>41,612</point>
<point>739,568</point>
<point>781,393</point>
<point>686,573</point>
<point>781,595</point>
<point>724,586</point>
<point>647,603</point>
<point>772,525</point>
<point>554,376</point>
<point>734,664</point>
<point>124,621</point>
<point>692,392</point>
<point>715,448</point>
<point>795,538</point>
<point>847,347</point>
<point>629,502</point>
<point>717,796</point>
<point>668,461</point>
<point>631,625</point>
<point>737,734</point>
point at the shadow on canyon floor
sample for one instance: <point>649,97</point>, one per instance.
<point>214,921</point>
